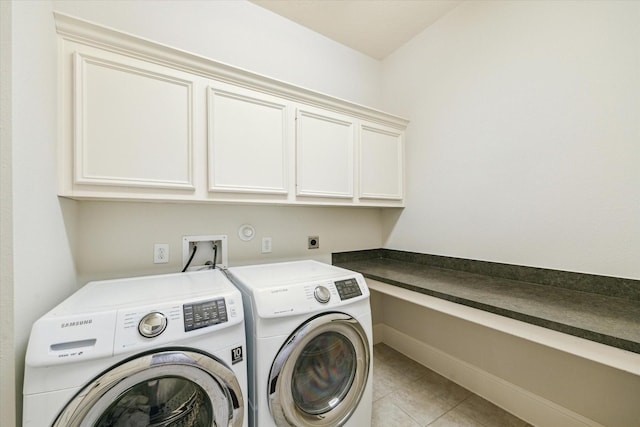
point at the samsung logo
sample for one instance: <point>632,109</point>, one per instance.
<point>76,323</point>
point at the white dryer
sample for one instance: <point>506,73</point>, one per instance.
<point>309,344</point>
<point>162,350</point>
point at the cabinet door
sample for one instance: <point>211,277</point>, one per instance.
<point>381,163</point>
<point>324,152</point>
<point>248,140</point>
<point>133,124</point>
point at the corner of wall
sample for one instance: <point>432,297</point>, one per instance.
<point>8,384</point>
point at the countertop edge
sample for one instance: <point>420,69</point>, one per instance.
<point>608,355</point>
<point>587,334</point>
<point>367,262</point>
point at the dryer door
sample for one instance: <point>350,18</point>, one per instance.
<point>320,374</point>
<point>165,388</point>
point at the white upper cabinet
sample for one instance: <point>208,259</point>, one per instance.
<point>381,163</point>
<point>144,121</point>
<point>248,137</point>
<point>324,153</point>
<point>130,126</point>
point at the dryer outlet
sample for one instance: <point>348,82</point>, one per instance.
<point>204,256</point>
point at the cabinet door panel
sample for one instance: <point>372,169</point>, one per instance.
<point>324,144</point>
<point>133,126</point>
<point>247,143</point>
<point>381,163</point>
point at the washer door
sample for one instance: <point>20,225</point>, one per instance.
<point>320,373</point>
<point>168,388</point>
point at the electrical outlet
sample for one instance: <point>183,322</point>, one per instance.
<point>161,253</point>
<point>204,254</point>
<point>266,245</point>
<point>314,242</point>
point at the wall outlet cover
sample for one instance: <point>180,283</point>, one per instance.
<point>161,253</point>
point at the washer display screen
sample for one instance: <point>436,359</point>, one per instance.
<point>203,314</point>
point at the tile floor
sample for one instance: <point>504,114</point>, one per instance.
<point>407,394</point>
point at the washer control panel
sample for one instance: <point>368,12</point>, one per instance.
<point>141,327</point>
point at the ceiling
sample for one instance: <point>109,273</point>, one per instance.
<point>373,27</point>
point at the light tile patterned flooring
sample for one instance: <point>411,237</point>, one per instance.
<point>407,394</point>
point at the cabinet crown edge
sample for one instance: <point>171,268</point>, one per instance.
<point>92,34</point>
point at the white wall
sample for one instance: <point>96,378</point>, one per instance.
<point>43,267</point>
<point>7,360</point>
<point>117,238</point>
<point>523,148</point>
<point>55,238</point>
<point>524,142</point>
<point>242,34</point>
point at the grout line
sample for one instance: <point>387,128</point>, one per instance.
<point>452,408</point>
<point>392,403</point>
<point>407,414</point>
<point>393,369</point>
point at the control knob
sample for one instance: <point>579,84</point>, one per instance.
<point>322,294</point>
<point>152,325</point>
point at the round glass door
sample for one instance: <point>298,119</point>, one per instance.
<point>163,389</point>
<point>320,373</point>
<point>323,373</point>
<point>168,401</point>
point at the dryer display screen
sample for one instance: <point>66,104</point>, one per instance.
<point>348,289</point>
<point>203,314</point>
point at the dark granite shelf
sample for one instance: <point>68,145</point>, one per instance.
<point>610,320</point>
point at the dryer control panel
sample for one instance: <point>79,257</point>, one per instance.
<point>311,296</point>
<point>300,287</point>
<point>348,288</point>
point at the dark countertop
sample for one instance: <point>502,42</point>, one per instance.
<point>613,321</point>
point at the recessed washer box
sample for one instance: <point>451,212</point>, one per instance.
<point>204,255</point>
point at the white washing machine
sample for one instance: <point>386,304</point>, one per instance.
<point>164,350</point>
<point>309,344</point>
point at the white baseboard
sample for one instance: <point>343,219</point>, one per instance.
<point>528,406</point>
